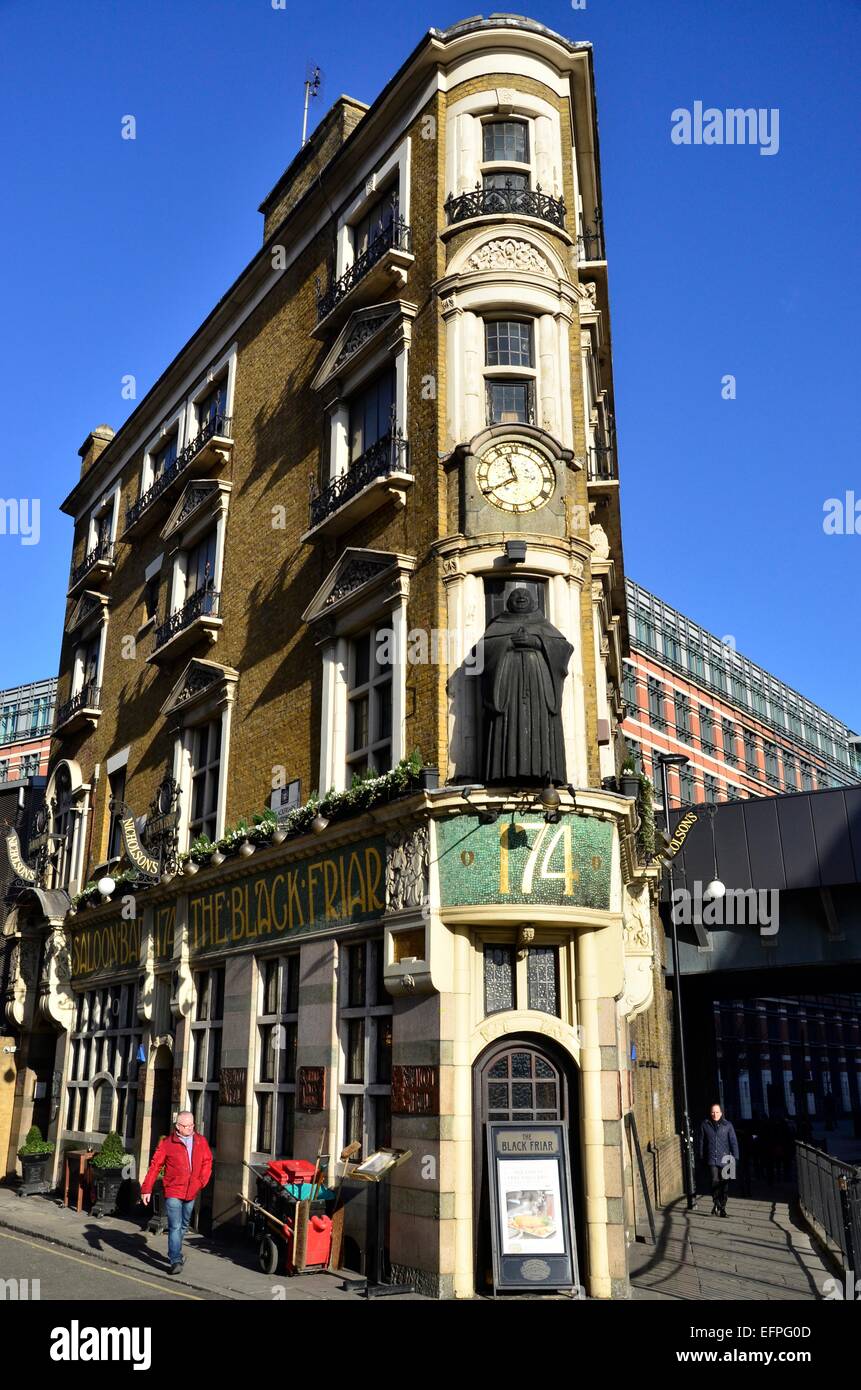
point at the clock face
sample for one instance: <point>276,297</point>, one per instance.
<point>515,477</point>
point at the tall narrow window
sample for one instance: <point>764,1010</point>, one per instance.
<point>164,456</point>
<point>371,414</point>
<point>212,408</point>
<point>200,566</point>
<point>63,828</point>
<point>369,701</point>
<point>117,788</point>
<point>505,154</point>
<point>205,767</point>
<point>508,343</point>
<point>375,227</point>
<point>277,1026</point>
<point>365,1031</point>
<point>205,1060</point>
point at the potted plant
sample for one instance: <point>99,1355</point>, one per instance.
<point>629,779</point>
<point>35,1155</point>
<point>109,1166</point>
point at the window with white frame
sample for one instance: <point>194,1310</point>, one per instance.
<point>164,455</point>
<point>505,158</point>
<point>211,408</point>
<point>204,1063</point>
<point>509,371</point>
<point>275,1067</point>
<point>205,774</point>
<point>372,409</point>
<point>63,827</point>
<point>374,227</point>
<point>369,703</point>
<point>101,1094</point>
<point>116,794</point>
<point>365,1036</point>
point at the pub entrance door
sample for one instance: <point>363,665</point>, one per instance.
<point>525,1079</point>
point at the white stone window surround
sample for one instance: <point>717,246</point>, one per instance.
<point>398,163</point>
<point>183,418</point>
<point>216,702</point>
<point>516,273</point>
<point>383,596</point>
<point>464,155</point>
<point>339,411</point>
<point>79,663</point>
<point>108,507</point>
<point>464,572</point>
<point>80,806</point>
<point>223,369</point>
<point>213,512</point>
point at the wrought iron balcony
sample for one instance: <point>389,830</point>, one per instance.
<point>601,464</point>
<point>495,202</point>
<point>102,554</point>
<point>590,242</point>
<point>216,428</point>
<point>203,603</point>
<point>86,703</point>
<point>388,457</point>
<point>396,237</point>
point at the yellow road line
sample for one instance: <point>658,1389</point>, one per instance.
<point>174,1293</point>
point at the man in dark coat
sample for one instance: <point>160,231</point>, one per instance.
<point>524,666</point>
<point>719,1151</point>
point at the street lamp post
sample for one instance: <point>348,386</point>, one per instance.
<point>666,761</point>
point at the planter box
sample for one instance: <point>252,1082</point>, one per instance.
<point>629,786</point>
<point>35,1174</point>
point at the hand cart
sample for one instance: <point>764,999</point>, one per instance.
<point>289,1220</point>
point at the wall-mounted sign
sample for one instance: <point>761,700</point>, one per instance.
<point>138,857</point>
<point>531,1206</point>
<point>415,1090</point>
<point>232,1082</point>
<point>16,859</point>
<point>105,947</point>
<point>311,1088</point>
<point>523,859</point>
<point>322,891</point>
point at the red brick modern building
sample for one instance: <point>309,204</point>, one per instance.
<point>744,731</point>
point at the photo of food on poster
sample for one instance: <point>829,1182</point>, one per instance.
<point>530,1205</point>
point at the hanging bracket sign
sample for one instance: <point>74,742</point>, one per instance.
<point>137,855</point>
<point>531,1206</point>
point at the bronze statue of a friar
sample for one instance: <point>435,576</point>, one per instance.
<point>523,663</point>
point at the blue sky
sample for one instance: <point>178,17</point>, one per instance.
<point>722,261</point>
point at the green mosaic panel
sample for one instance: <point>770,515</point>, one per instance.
<point>522,859</point>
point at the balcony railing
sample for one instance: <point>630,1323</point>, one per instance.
<point>490,202</point>
<point>203,603</point>
<point>601,464</point>
<point>218,426</point>
<point>389,455</point>
<point>590,242</point>
<point>102,550</point>
<point>88,697</point>
<point>397,236</point>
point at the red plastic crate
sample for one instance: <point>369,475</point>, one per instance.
<point>290,1170</point>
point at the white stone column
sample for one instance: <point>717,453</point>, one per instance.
<point>548,378</point>
<point>597,1272</point>
<point>472,354</point>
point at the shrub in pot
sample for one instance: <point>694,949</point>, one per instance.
<point>109,1168</point>
<point>35,1155</point>
<point>629,779</point>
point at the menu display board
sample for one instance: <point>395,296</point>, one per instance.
<point>531,1206</point>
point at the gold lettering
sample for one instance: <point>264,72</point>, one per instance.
<point>293,885</point>
<point>219,933</point>
<point>330,889</point>
<point>354,873</point>
<point>373,875</point>
<point>279,923</point>
<point>263,909</point>
<point>313,870</point>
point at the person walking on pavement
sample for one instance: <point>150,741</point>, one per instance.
<point>187,1161</point>
<point>719,1150</point>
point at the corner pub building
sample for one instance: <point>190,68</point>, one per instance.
<point>424,335</point>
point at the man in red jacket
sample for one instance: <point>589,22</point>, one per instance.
<point>187,1161</point>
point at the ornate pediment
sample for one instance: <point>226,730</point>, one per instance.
<point>198,682</point>
<point>88,609</point>
<point>196,495</point>
<point>365,331</point>
<point>358,574</point>
<point>509,253</point>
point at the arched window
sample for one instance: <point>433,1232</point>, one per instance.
<point>63,827</point>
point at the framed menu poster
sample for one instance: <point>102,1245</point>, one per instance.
<point>531,1206</point>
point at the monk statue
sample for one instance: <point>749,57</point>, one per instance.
<point>524,665</point>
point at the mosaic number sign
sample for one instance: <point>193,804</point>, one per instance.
<point>525,860</point>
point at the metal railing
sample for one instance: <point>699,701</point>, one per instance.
<point>397,236</point>
<point>88,697</point>
<point>217,426</point>
<point>489,202</point>
<point>102,550</point>
<point>203,603</point>
<point>390,454</point>
<point>830,1190</point>
<point>601,464</point>
<point>590,242</point>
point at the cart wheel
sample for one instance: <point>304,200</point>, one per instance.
<point>268,1255</point>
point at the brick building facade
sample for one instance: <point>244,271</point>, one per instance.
<point>399,413</point>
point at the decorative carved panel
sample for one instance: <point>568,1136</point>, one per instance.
<point>415,1090</point>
